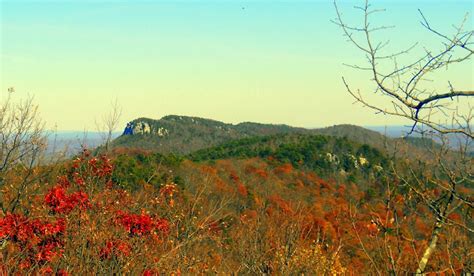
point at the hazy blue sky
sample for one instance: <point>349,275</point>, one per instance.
<point>230,60</point>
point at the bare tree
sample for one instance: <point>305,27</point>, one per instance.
<point>22,142</point>
<point>439,111</point>
<point>109,123</point>
<point>405,84</point>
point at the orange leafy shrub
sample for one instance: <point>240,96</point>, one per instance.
<point>284,169</point>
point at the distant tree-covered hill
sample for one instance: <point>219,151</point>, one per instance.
<point>183,135</point>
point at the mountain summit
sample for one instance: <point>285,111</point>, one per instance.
<point>183,134</point>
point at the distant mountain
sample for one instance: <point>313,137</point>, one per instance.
<point>183,135</point>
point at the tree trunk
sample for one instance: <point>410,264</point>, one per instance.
<point>429,251</point>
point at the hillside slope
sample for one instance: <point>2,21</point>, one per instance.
<point>184,135</point>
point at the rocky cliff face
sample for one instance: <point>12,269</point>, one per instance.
<point>138,127</point>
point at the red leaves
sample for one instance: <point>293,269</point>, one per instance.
<point>57,200</point>
<point>40,240</point>
<point>102,167</point>
<point>162,225</point>
<point>38,246</point>
<point>150,272</point>
<point>63,181</point>
<point>143,224</point>
<point>19,228</point>
<point>86,168</point>
<point>60,202</point>
<point>46,270</point>
<point>115,248</point>
<point>80,199</point>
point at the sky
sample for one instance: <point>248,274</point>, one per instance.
<point>265,61</point>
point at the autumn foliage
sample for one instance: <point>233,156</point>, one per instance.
<point>251,216</point>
